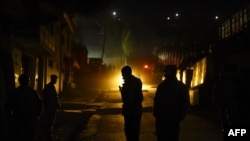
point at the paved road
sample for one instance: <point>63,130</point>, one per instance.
<point>110,128</point>
<point>107,123</point>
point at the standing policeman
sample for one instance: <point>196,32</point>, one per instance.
<point>25,108</point>
<point>171,103</point>
<point>132,98</point>
<point>51,104</point>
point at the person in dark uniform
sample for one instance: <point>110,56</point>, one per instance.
<point>171,103</point>
<point>132,98</point>
<point>51,104</point>
<point>25,107</point>
<point>224,95</point>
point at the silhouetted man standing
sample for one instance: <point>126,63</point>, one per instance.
<point>132,98</point>
<point>171,103</point>
<point>51,104</point>
<point>25,108</point>
<point>224,96</point>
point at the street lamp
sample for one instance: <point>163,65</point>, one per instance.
<point>105,34</point>
<point>114,13</point>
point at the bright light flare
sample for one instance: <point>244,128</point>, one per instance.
<point>115,81</point>
<point>146,87</point>
<point>120,80</point>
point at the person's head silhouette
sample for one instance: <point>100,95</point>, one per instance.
<point>53,78</point>
<point>170,71</point>
<point>24,80</point>
<point>126,71</point>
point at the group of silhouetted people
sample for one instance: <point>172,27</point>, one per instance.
<point>171,104</point>
<point>26,107</point>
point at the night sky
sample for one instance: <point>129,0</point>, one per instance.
<point>150,27</point>
<point>157,10</point>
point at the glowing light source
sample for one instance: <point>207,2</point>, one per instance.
<point>199,72</point>
<point>16,79</point>
<point>114,81</point>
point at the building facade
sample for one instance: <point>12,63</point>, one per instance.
<point>228,54</point>
<point>45,51</point>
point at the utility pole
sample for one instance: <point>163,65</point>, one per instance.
<point>104,41</point>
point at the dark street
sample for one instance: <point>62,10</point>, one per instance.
<point>88,119</point>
